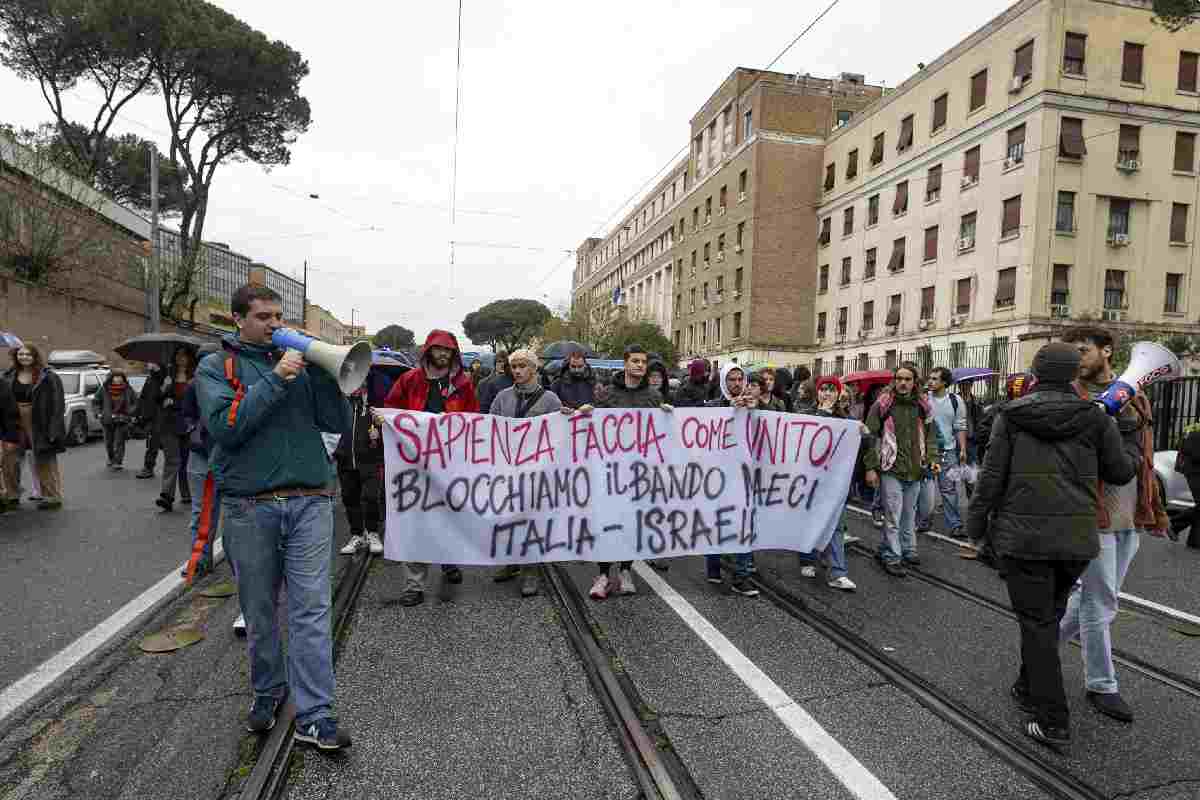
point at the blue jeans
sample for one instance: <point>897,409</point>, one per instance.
<point>197,474</point>
<point>949,490</point>
<point>1093,606</point>
<point>835,551</point>
<point>899,512</point>
<point>273,542</point>
<point>741,565</point>
<point>926,502</point>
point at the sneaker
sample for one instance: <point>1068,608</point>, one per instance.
<point>599,589</point>
<point>1020,696</point>
<point>374,543</point>
<point>912,561</point>
<point>263,712</point>
<point>239,626</point>
<point>1046,734</point>
<point>843,583</point>
<point>1111,705</point>
<point>164,502</point>
<point>324,734</point>
<point>529,586</point>
<point>412,597</point>
<point>627,584</point>
<point>808,571</point>
<point>714,579</point>
<point>958,534</point>
<point>744,587</point>
<point>507,573</point>
<point>118,467</point>
<point>925,527</point>
<point>452,574</point>
<point>895,569</point>
<point>145,473</point>
<point>877,519</point>
<point>352,546</point>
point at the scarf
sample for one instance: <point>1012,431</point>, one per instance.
<point>527,396</point>
<point>888,447</point>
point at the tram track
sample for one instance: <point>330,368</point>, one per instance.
<point>659,773</point>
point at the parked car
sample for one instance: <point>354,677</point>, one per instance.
<point>137,383</point>
<point>1172,485</point>
<point>79,385</point>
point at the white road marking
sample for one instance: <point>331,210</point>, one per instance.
<point>1132,599</point>
<point>844,766</point>
<point>60,664</point>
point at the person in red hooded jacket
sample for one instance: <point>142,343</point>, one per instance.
<point>438,385</point>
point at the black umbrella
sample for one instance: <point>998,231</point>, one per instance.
<point>564,348</point>
<point>155,348</point>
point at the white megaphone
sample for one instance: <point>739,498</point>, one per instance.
<point>347,365</point>
<point>1148,363</point>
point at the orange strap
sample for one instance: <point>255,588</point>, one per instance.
<point>239,391</point>
<point>204,529</point>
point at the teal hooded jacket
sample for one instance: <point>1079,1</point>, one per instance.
<point>275,441</point>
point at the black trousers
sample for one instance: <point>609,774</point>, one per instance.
<point>362,495</point>
<point>1191,520</point>
<point>1038,591</point>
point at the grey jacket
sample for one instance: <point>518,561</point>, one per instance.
<point>509,404</point>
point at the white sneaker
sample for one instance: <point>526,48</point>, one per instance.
<point>374,543</point>
<point>627,584</point>
<point>353,545</point>
<point>599,589</point>
<point>239,625</point>
<point>843,583</point>
<point>808,571</point>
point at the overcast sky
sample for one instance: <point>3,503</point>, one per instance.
<point>567,108</point>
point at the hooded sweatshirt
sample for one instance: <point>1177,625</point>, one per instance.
<point>726,399</point>
<point>414,390</point>
<point>1039,480</point>
<point>621,396</point>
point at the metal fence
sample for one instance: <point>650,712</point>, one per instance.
<point>1176,405</point>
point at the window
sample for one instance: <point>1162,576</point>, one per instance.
<point>695,218</point>
<point>741,232</point>
<point>869,266</point>
<point>927,295</point>
<point>939,112</point>
<point>906,134</point>
<point>737,282</point>
<point>962,296</point>
<point>1010,223</point>
<point>704,293</point>
<point>707,253</point>
<point>1060,285</point>
<point>848,221</point>
<point>1073,54</point>
<point>863,362</point>
<point>889,359</point>
<point>868,316</point>
<point>1070,138</point>
<point>872,210</point>
<point>816,370</point>
<point>843,320</point>
<point>933,184</point>
<point>966,231</point>
<point>852,165</point>
<point>824,237</point>
<point>978,90</point>
<point>896,264</point>
<point>931,243</point>
<point>839,365</point>
<point>721,245</point>
<point>1118,217</point>
<point>1179,218</point>
<point>1171,301</point>
<point>893,315</point>
<point>925,359</point>
<point>692,300</point>
<point>1023,62</point>
<point>678,302</point>
<point>1185,152</point>
<point>1114,289</point>
<point>721,202</point>
<point>727,127</point>
<point>877,150</point>
<point>747,124</point>
<point>823,279</point>
<point>720,287</point>
<point>741,186</point>
<point>737,324</point>
<point>693,263</point>
<point>1187,71</point>
<point>971,166</point>
<point>1006,288</point>
<point>821,327</point>
<point>829,170</point>
<point>1064,217</point>
<point>1131,63</point>
<point>900,205</point>
<point>707,210</point>
<point>846,271</point>
<point>843,116</point>
<point>1016,146</point>
<point>1128,143</point>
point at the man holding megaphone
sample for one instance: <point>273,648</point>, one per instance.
<point>265,411</point>
<point>1123,511</point>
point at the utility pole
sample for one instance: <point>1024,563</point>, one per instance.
<point>304,298</point>
<point>152,288</point>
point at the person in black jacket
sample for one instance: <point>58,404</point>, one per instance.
<point>576,385</point>
<point>500,380</point>
<point>1189,459</point>
<point>1039,482</point>
<point>693,393</point>
<point>360,459</point>
<point>10,437</point>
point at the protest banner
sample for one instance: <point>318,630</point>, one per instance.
<point>612,485</point>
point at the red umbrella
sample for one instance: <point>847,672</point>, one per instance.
<point>867,378</point>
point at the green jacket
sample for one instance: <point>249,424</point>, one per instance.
<point>275,442</point>
<point>904,412</point>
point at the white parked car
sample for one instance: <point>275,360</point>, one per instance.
<point>1173,485</point>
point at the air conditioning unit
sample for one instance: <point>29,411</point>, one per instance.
<point>933,197</point>
<point>737,248</point>
<point>720,255</point>
<point>706,263</point>
<point>1010,162</point>
<point>1113,315</point>
<point>923,325</point>
<point>1129,165</point>
<point>737,294</point>
<point>721,211</point>
<point>965,244</point>
<point>1060,311</point>
<point>1119,240</point>
<point>862,334</point>
<point>900,213</point>
<point>1018,81</point>
<point>707,219</point>
<point>741,196</point>
<point>820,339</point>
<point>957,320</point>
<point>968,181</point>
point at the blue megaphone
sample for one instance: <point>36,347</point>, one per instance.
<point>347,364</point>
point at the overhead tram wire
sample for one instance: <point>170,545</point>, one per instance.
<point>454,150</point>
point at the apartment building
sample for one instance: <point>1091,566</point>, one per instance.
<point>291,290</point>
<point>720,252</point>
<point>321,322</point>
<point>1040,172</point>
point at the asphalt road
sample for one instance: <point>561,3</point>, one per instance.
<point>63,572</point>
